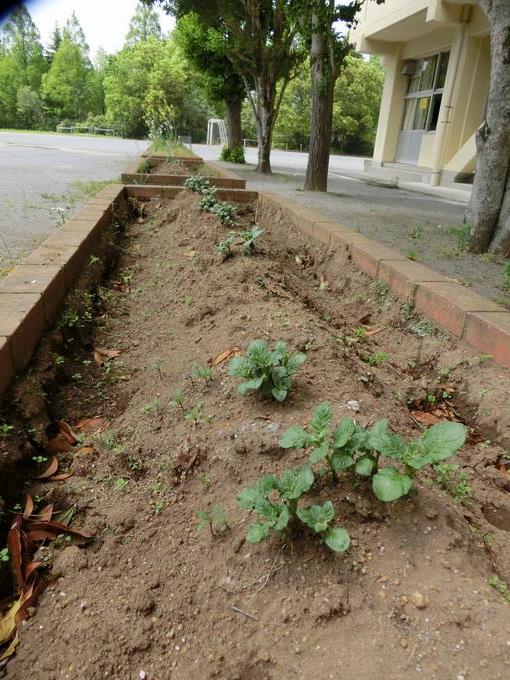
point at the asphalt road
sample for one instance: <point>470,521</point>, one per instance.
<point>43,176</point>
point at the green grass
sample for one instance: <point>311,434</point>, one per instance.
<point>82,188</point>
<point>165,146</point>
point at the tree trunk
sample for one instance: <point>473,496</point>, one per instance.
<point>493,138</point>
<point>501,241</point>
<point>323,85</point>
<point>234,123</point>
<point>266,96</point>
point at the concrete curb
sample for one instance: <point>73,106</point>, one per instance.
<point>481,323</point>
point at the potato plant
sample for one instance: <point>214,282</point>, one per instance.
<point>197,184</point>
<point>208,200</point>
<point>352,447</point>
<point>249,238</point>
<point>275,500</point>
<point>226,213</point>
<point>270,372</point>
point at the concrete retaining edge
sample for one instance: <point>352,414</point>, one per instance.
<point>224,178</point>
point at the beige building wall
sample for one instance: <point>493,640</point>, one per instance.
<point>403,30</point>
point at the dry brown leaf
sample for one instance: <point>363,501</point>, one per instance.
<point>59,444</point>
<point>29,507</point>
<point>66,431</point>
<point>91,425</point>
<point>45,513</point>
<point>426,417</point>
<point>50,470</point>
<point>191,253</point>
<point>85,450</point>
<point>60,477</point>
<point>324,283</point>
<point>101,355</point>
<point>373,331</point>
<point>15,546</point>
<point>232,351</point>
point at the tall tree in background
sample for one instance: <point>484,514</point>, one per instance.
<point>489,208</point>
<point>54,44</point>
<point>262,45</point>
<point>74,32</point>
<point>204,47</point>
<point>144,24</point>
<point>21,40</point>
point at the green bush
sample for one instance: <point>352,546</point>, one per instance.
<point>235,155</point>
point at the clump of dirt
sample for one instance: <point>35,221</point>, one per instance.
<point>157,598</point>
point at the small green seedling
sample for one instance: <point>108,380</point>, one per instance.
<point>268,371</point>
<point>318,518</point>
<point>215,520</point>
<point>204,372</point>
<point>40,459</point>
<point>454,482</point>
<point>4,555</point>
<point>196,416</point>
<point>500,586</point>
<point>226,213</point>
<point>178,400</point>
<point>120,484</point>
<point>249,239</point>
<point>208,200</point>
<point>197,184</point>
<point>5,430</point>
<point>377,358</point>
<point>58,359</point>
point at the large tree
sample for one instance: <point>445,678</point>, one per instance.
<point>262,43</point>
<point>144,24</point>
<point>489,209</point>
<point>21,40</point>
<point>205,48</point>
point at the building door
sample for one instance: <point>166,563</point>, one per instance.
<point>422,106</point>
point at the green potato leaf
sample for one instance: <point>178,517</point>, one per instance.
<point>295,438</point>
<point>283,518</point>
<point>441,441</point>
<point>294,483</point>
<point>259,353</point>
<point>257,532</point>
<point>389,484</point>
<point>253,384</point>
<point>321,419</point>
<point>239,366</point>
<point>364,466</point>
<point>319,453</point>
<point>295,362</point>
<point>337,539</point>
<point>341,461</point>
<point>317,517</point>
<point>279,393</point>
<point>343,432</point>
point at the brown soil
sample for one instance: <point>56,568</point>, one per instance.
<point>153,597</point>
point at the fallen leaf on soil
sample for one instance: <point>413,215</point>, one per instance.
<point>8,628</point>
<point>85,450</point>
<point>373,331</point>
<point>50,470</point>
<point>91,425</point>
<point>191,253</point>
<point>60,477</point>
<point>63,441</point>
<point>14,544</point>
<point>425,417</point>
<point>232,351</point>
<point>45,514</point>
<point>56,528</point>
<point>277,290</point>
<point>29,507</point>
<point>364,319</point>
<point>101,355</point>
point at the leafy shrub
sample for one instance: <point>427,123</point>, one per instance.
<point>226,212</point>
<point>278,515</point>
<point>506,274</point>
<point>269,372</point>
<point>235,155</point>
<point>197,184</point>
<point>208,201</point>
<point>352,447</point>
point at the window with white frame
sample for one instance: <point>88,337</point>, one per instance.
<point>424,93</point>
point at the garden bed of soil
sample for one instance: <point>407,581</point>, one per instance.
<point>173,168</point>
<point>155,597</point>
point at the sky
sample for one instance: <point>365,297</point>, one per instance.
<point>105,22</point>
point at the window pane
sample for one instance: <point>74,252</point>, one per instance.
<point>414,83</point>
<point>442,69</point>
<point>420,114</point>
<point>428,68</point>
<point>434,114</point>
<point>407,121</point>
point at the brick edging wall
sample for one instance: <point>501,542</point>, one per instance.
<point>481,323</point>
<point>31,294</point>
